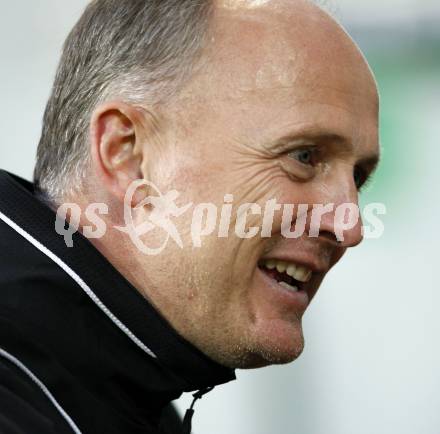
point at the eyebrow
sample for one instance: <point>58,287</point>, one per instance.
<point>371,161</point>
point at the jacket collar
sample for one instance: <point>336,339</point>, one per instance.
<point>147,332</point>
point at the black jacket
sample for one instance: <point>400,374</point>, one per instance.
<point>81,351</point>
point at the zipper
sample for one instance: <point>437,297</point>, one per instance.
<point>187,420</point>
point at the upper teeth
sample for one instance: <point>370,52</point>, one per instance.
<point>298,272</point>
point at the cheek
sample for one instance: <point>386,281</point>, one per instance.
<point>216,285</point>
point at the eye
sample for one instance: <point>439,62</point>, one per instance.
<point>305,156</point>
<point>360,177</point>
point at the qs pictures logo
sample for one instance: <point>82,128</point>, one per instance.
<point>159,212</point>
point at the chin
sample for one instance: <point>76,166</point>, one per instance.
<point>278,343</point>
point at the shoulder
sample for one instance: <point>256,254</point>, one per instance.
<point>24,408</point>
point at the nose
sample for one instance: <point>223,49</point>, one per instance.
<point>340,221</point>
<point>343,226</point>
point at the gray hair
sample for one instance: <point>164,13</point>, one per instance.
<point>138,50</point>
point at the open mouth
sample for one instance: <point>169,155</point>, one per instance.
<point>290,276</point>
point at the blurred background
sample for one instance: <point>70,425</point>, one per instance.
<point>372,357</point>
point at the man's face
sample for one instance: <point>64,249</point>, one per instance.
<point>285,108</point>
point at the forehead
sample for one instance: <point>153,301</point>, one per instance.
<point>273,64</point>
<point>242,4</point>
<point>265,43</point>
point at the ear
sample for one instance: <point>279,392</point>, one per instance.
<point>116,133</point>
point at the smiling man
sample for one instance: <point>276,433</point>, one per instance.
<point>259,100</point>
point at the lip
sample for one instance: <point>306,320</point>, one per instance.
<point>297,301</point>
